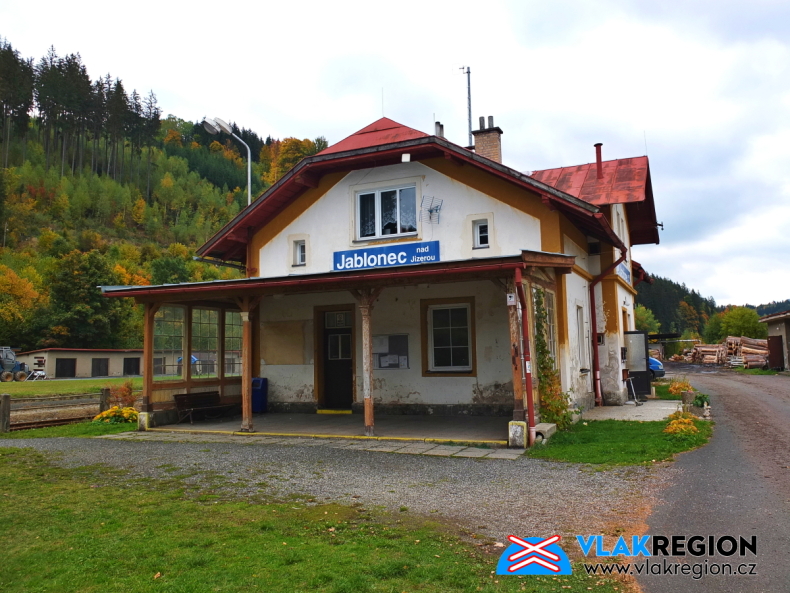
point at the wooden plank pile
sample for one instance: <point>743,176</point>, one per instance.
<point>708,354</point>
<point>750,353</point>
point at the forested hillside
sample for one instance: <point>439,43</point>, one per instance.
<point>676,307</point>
<point>97,188</point>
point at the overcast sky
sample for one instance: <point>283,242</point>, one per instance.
<point>703,86</point>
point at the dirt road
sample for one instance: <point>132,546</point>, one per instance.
<point>738,485</point>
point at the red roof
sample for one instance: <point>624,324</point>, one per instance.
<point>624,181</point>
<point>383,131</point>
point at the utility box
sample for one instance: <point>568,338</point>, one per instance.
<point>260,395</point>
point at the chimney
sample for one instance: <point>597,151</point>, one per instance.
<point>488,142</point>
<point>598,161</point>
<point>439,129</point>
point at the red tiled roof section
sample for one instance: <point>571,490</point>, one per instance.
<point>624,181</point>
<point>383,131</point>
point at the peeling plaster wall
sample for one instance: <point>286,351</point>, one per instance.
<point>398,312</point>
<point>329,225</point>
<point>576,355</point>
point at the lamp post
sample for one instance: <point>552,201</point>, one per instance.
<point>215,126</point>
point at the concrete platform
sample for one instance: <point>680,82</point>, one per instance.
<point>652,409</point>
<point>488,430</point>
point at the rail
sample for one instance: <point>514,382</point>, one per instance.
<point>7,405</point>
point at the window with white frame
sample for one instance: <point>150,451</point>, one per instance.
<point>450,337</point>
<point>480,231</point>
<point>581,342</point>
<point>551,328</point>
<point>300,253</point>
<point>387,212</point>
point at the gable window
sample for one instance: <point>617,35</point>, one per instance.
<point>480,230</point>
<point>387,212</point>
<point>300,253</point>
<point>450,338</point>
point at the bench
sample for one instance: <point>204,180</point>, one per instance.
<point>187,403</point>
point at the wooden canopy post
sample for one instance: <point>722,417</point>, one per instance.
<point>515,352</point>
<point>366,297</point>
<point>148,355</point>
<point>246,305</point>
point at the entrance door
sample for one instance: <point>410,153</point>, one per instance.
<point>636,363</point>
<point>65,367</point>
<point>776,353</point>
<point>338,379</point>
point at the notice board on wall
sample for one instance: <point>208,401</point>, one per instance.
<point>391,351</point>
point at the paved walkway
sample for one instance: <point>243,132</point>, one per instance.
<point>488,430</point>
<point>365,444</point>
<point>652,409</point>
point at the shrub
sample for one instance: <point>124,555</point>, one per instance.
<point>678,386</point>
<point>554,403</point>
<point>123,395</point>
<point>701,400</point>
<point>117,415</point>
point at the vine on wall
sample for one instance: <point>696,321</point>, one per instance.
<point>554,404</point>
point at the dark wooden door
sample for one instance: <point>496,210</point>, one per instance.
<point>338,370</point>
<point>131,366</point>
<point>776,352</point>
<point>100,367</point>
<point>637,364</point>
<point>66,367</point>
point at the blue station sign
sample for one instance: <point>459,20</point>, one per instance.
<point>400,254</point>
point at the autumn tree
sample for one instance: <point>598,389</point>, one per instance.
<point>79,316</point>
<point>19,300</point>
<point>645,320</point>
<point>743,321</point>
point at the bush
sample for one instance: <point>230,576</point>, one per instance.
<point>678,386</point>
<point>701,400</point>
<point>117,415</point>
<point>123,395</point>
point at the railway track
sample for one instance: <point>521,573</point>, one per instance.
<point>50,422</point>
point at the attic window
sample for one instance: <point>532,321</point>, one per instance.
<point>480,230</point>
<point>300,253</point>
<point>387,212</point>
<point>594,248</point>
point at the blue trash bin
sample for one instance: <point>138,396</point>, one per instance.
<point>260,394</point>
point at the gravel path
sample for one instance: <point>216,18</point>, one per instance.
<point>489,497</point>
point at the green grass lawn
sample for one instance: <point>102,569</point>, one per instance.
<point>662,391</point>
<point>78,429</point>
<point>92,529</point>
<point>64,386</point>
<point>618,442</point>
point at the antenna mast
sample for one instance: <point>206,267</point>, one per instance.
<point>469,99</point>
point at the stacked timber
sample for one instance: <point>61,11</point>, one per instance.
<point>750,353</point>
<point>709,354</point>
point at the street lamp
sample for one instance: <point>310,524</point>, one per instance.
<point>214,127</point>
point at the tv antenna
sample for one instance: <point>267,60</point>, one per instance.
<point>468,71</point>
<point>429,209</point>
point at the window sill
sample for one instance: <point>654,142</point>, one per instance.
<point>481,247</point>
<point>298,265</point>
<point>385,239</point>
